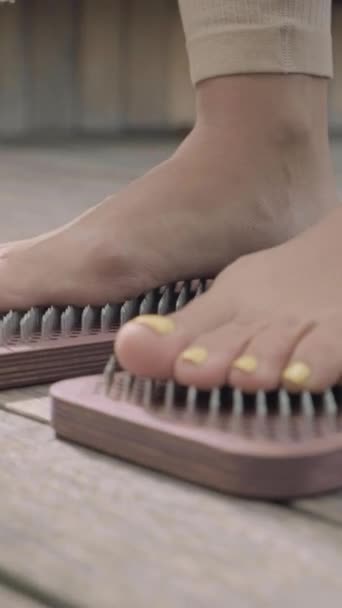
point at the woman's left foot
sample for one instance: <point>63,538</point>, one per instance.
<point>272,318</point>
<point>248,177</point>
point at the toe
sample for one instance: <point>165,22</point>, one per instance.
<point>205,361</point>
<point>150,345</point>
<point>260,365</point>
<point>316,362</point>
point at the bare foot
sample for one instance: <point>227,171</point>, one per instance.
<point>254,172</point>
<point>271,318</point>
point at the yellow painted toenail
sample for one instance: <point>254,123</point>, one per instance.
<point>297,373</point>
<point>246,363</point>
<point>161,325</point>
<point>195,354</point>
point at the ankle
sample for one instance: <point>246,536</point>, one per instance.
<point>290,109</point>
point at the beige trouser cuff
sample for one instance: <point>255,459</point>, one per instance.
<point>257,36</point>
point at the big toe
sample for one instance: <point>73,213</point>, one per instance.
<point>150,344</point>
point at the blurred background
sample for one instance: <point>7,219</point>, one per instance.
<point>94,67</point>
<point>92,93</point>
<point>103,67</point>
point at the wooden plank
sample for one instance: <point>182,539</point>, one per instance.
<point>11,599</point>
<point>328,508</point>
<point>97,532</point>
<point>180,95</point>
<point>26,393</point>
<point>146,45</point>
<point>12,69</point>
<point>99,64</point>
<point>31,402</point>
<point>50,51</point>
<point>35,409</point>
<point>67,180</point>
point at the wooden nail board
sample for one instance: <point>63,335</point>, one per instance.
<point>50,360</point>
<point>271,447</point>
<point>45,345</point>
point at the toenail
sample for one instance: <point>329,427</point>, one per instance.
<point>246,363</point>
<point>195,354</point>
<point>297,373</point>
<point>161,325</point>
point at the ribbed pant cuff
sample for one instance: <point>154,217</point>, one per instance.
<point>284,49</point>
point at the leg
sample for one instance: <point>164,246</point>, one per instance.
<point>272,317</point>
<point>254,172</point>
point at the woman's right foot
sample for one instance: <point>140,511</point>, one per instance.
<point>271,318</point>
<point>254,172</point>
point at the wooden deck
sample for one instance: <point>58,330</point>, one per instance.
<point>80,530</point>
